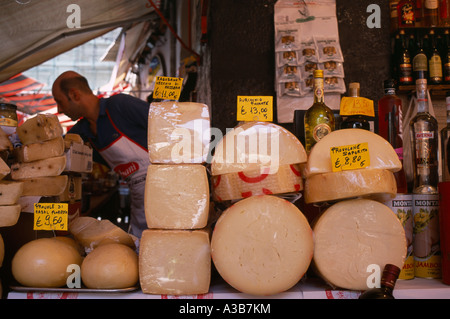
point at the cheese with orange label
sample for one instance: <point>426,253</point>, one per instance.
<point>40,150</point>
<point>42,127</point>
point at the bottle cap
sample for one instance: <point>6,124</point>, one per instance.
<point>390,275</point>
<point>389,84</point>
<point>318,73</point>
<point>353,89</point>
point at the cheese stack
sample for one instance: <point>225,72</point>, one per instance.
<point>357,232</point>
<point>174,253</point>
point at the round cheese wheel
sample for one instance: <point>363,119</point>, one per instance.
<point>110,266</point>
<point>71,242</point>
<point>351,236</point>
<point>43,263</point>
<point>262,245</point>
<point>377,184</point>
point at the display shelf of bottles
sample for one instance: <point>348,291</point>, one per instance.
<point>438,90</point>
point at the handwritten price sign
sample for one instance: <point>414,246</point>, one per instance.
<point>51,216</point>
<point>350,157</point>
<point>255,108</point>
<point>167,88</point>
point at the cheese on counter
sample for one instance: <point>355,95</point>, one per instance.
<point>44,186</point>
<point>352,235</point>
<point>9,215</point>
<point>5,142</point>
<point>382,154</point>
<point>42,127</point>
<point>52,166</point>
<point>240,185</point>
<point>178,132</point>
<point>174,262</point>
<point>4,169</point>
<point>40,150</point>
<point>377,184</point>
<point>176,196</point>
<point>10,192</point>
<point>262,245</point>
<point>71,138</point>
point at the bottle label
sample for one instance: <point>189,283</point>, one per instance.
<point>435,66</point>
<point>431,4</point>
<point>318,90</point>
<point>420,62</point>
<point>406,73</point>
<point>320,131</point>
<point>356,106</point>
<point>424,158</point>
<point>406,14</point>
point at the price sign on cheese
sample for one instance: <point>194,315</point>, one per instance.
<point>255,108</point>
<point>350,157</point>
<point>167,88</point>
<point>51,216</point>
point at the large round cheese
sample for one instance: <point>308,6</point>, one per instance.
<point>352,235</point>
<point>110,266</point>
<point>382,154</point>
<point>377,184</point>
<point>262,245</point>
<point>43,263</point>
<point>253,145</point>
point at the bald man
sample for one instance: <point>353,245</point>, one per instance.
<point>116,127</point>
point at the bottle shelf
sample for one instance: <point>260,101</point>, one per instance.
<point>435,90</point>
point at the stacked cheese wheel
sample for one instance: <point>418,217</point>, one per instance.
<point>356,231</point>
<point>174,253</point>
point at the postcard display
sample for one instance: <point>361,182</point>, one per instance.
<point>306,38</point>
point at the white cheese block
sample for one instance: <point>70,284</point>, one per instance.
<point>174,262</point>
<point>4,169</point>
<point>262,245</point>
<point>178,132</point>
<point>71,138</point>
<point>382,154</point>
<point>40,150</point>
<point>176,196</point>
<point>10,192</point>
<point>352,235</point>
<point>5,142</point>
<point>9,215</point>
<point>253,145</point>
<point>44,186</point>
<point>42,127</point>
<point>52,166</point>
<point>73,189</point>
<point>377,184</point>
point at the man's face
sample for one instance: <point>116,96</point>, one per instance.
<point>66,105</point>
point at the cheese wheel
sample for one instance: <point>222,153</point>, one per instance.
<point>178,132</point>
<point>4,169</point>
<point>240,185</point>
<point>262,245</point>
<point>10,192</point>
<point>52,166</point>
<point>382,154</point>
<point>72,242</point>
<point>9,215</point>
<point>71,138</point>
<point>73,189</point>
<point>43,263</point>
<point>377,184</point>
<point>253,145</point>
<point>352,235</point>
<point>40,150</point>
<point>111,266</point>
<point>42,127</point>
<point>44,186</point>
<point>5,142</point>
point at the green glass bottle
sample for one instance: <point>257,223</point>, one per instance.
<point>319,118</point>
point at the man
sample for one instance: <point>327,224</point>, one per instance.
<point>116,127</point>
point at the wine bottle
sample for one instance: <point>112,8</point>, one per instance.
<point>431,18</point>
<point>357,119</point>
<point>420,61</point>
<point>387,284</point>
<point>434,61</point>
<point>446,57</point>
<point>405,76</point>
<point>445,145</point>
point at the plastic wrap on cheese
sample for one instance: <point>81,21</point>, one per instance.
<point>253,145</point>
<point>42,127</point>
<point>175,262</point>
<point>239,185</point>
<point>377,184</point>
<point>352,237</point>
<point>176,196</point>
<point>178,132</point>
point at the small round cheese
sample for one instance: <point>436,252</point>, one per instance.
<point>110,266</point>
<point>43,263</point>
<point>262,245</point>
<point>352,235</point>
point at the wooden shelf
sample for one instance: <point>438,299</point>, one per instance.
<point>435,90</point>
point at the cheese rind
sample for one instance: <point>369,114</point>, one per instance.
<point>382,154</point>
<point>41,150</point>
<point>262,245</point>
<point>176,196</point>
<point>373,183</point>
<point>70,138</point>
<point>44,186</point>
<point>175,262</point>
<point>52,166</point>
<point>10,192</point>
<point>352,235</point>
<point>9,215</point>
<point>42,127</point>
<point>4,169</point>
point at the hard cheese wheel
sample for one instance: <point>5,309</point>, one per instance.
<point>45,186</point>
<point>111,266</point>
<point>378,184</point>
<point>42,127</point>
<point>40,150</point>
<point>9,215</point>
<point>382,154</point>
<point>253,145</point>
<point>10,192</point>
<point>52,166</point>
<point>262,245</point>
<point>353,234</point>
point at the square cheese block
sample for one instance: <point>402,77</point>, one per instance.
<point>10,192</point>
<point>71,138</point>
<point>176,196</point>
<point>4,169</point>
<point>178,132</point>
<point>42,127</point>
<point>40,150</point>
<point>9,215</point>
<point>44,186</point>
<point>175,262</point>
<point>52,166</point>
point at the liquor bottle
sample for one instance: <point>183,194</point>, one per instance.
<point>405,13</point>
<point>444,13</point>
<point>434,61</point>
<point>358,118</point>
<point>393,15</point>
<point>418,14</point>
<point>420,61</point>
<point>390,127</point>
<point>431,18</point>
<point>446,57</point>
<point>424,142</point>
<point>319,118</point>
<point>445,145</point>
<point>405,76</point>
<point>387,284</point>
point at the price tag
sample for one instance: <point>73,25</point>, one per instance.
<point>167,88</point>
<point>51,216</point>
<point>350,157</point>
<point>255,108</point>
<point>356,106</point>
